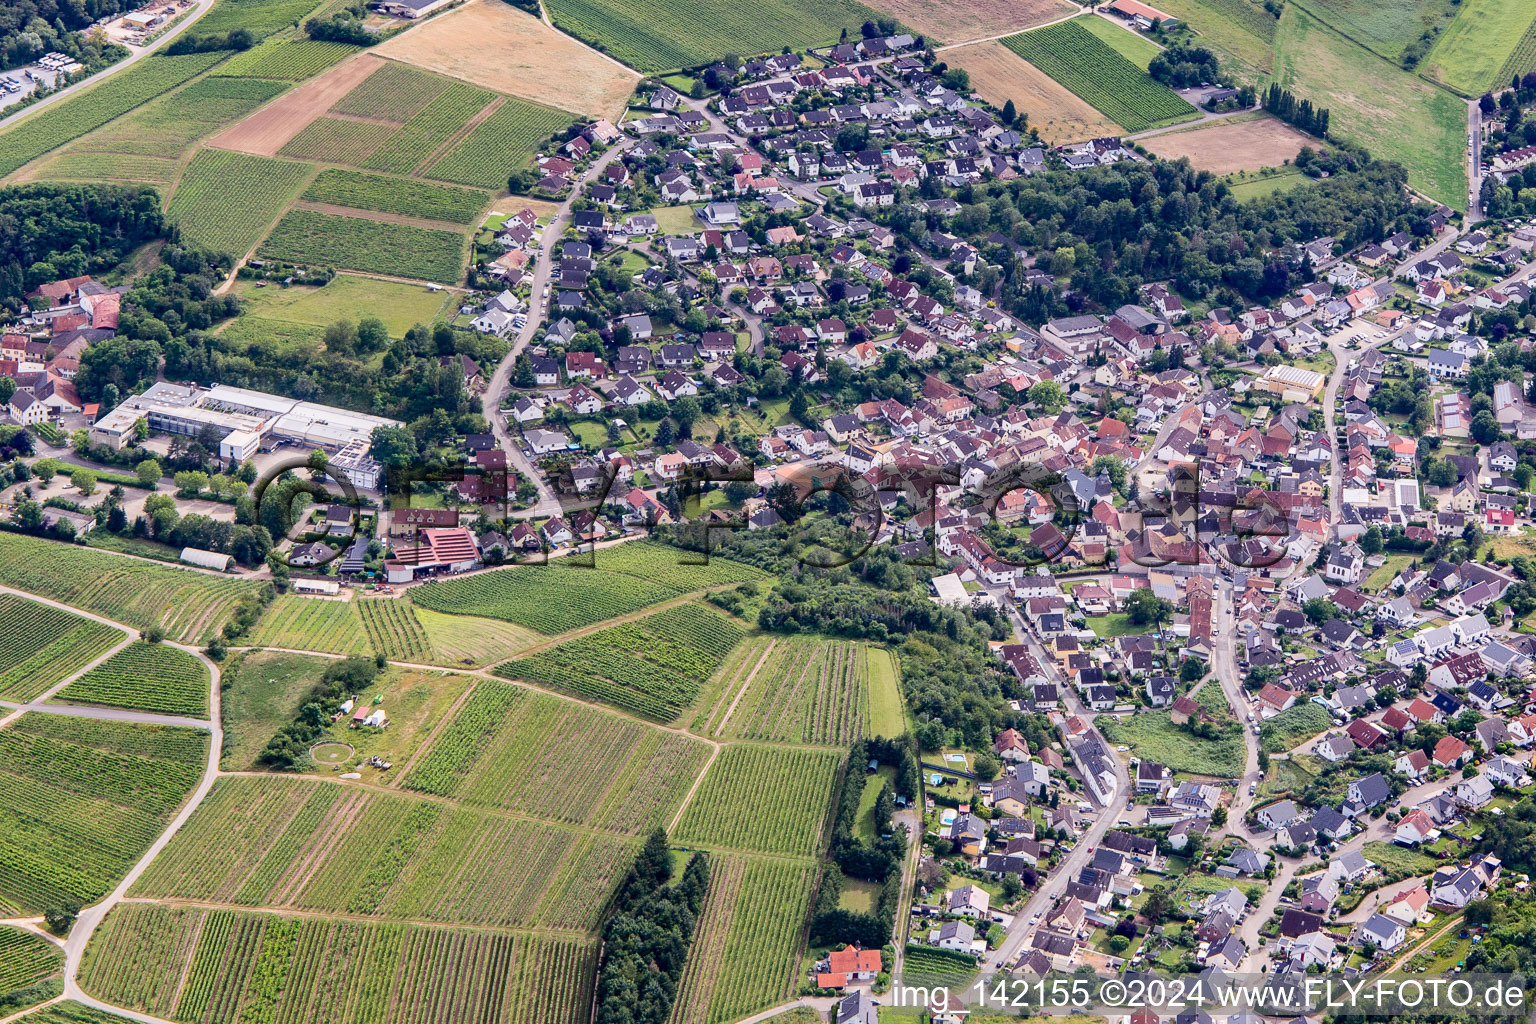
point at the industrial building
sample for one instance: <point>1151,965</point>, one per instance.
<point>247,422</point>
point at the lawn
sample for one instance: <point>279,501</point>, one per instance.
<point>1110,626</point>
<point>1377,104</point>
<point>347,297</point>
<point>1152,736</point>
<point>1379,578</point>
<point>1245,187</point>
<point>1398,861</point>
<point>864,819</point>
<point>262,691</point>
<point>1132,46</point>
<point>675,220</point>
<point>886,716</point>
<point>1293,725</point>
<point>1473,53</point>
<point>1384,26</point>
<point>415,703</point>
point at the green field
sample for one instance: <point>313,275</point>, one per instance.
<point>1235,30</point>
<point>514,749</point>
<point>793,690</point>
<point>1153,737</point>
<point>1266,184</point>
<point>147,677</point>
<point>1110,626</point>
<point>320,239</point>
<point>887,714</point>
<point>430,129</point>
<point>551,599</point>
<point>927,966</point>
<point>259,17</point>
<point>767,799</point>
<point>193,964</point>
<point>1293,725</point>
<point>148,144</point>
<point>31,969</point>
<point>77,115</point>
<point>1097,72</point>
<point>658,37</point>
<point>395,92</point>
<point>397,195</point>
<point>746,950</point>
<point>291,61</point>
<point>43,645</point>
<point>1486,43</point>
<point>499,145</point>
<point>84,799</point>
<point>261,693</point>
<point>1393,114</point>
<point>201,206</point>
<point>332,140</point>
<point>654,667</point>
<point>1131,45</point>
<point>310,624</point>
<point>346,297</point>
<point>1384,26</point>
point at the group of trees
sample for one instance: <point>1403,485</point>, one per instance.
<point>878,861</point>
<point>49,232</point>
<point>290,747</point>
<point>646,940</point>
<point>1180,67</point>
<point>31,28</point>
<point>1284,105</point>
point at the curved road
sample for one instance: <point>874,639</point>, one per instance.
<point>501,382</point>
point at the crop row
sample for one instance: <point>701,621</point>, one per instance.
<point>654,666</point>
<point>461,745</point>
<point>681,33</point>
<point>499,145</point>
<point>762,946</point>
<point>41,645</point>
<point>405,196</point>
<point>292,61</point>
<point>1095,71</point>
<point>762,798</point>
<point>25,960</point>
<point>305,236</point>
<point>675,567</point>
<point>334,140</point>
<point>430,129</point>
<point>270,969</point>
<point>74,117</point>
<point>79,814</point>
<point>184,603</point>
<point>809,691</point>
<point>395,92</point>
<point>549,598</point>
<point>393,629</point>
<point>150,677</point>
<point>261,18</point>
<point>311,624</point>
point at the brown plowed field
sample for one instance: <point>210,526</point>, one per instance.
<point>1223,148</point>
<point>494,45</point>
<point>999,75</point>
<point>270,128</point>
<point>960,21</point>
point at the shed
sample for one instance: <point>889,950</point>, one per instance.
<point>206,559</point>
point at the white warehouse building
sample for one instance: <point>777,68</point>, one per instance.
<point>248,421</point>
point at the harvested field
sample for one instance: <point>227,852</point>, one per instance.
<point>1224,148</point>
<point>270,129</point>
<point>1000,75</point>
<point>961,20</point>
<point>494,45</point>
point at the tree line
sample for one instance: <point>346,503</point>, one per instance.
<point>1284,105</point>
<point>646,940</point>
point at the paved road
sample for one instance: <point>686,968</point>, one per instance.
<point>135,54</point>
<point>1224,661</point>
<point>501,382</point>
<point>108,714</point>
